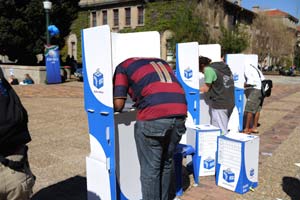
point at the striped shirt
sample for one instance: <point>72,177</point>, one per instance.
<point>152,85</point>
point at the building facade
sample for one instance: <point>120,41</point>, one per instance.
<point>120,14</point>
<point>117,14</point>
<point>285,45</point>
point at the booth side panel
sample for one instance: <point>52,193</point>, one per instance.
<point>127,163</point>
<point>97,67</point>
<point>236,63</point>
<point>239,103</point>
<point>187,71</point>
<point>212,51</point>
<point>140,44</point>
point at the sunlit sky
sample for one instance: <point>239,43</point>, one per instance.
<point>289,6</point>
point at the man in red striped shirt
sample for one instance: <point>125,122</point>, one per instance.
<point>161,112</point>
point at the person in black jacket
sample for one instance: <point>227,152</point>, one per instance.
<point>219,86</point>
<point>16,177</point>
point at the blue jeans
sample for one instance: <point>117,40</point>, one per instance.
<point>156,142</point>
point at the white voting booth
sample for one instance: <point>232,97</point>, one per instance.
<point>200,134</point>
<point>237,64</point>
<point>112,166</point>
<point>187,72</point>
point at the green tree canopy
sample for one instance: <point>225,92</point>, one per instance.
<point>234,41</point>
<point>179,16</point>
<point>23,27</point>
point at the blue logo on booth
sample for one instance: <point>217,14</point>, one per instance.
<point>209,163</point>
<point>251,172</point>
<point>228,175</point>
<point>235,77</point>
<point>188,73</point>
<point>98,79</point>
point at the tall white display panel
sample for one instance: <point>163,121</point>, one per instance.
<point>236,63</point>
<point>187,72</point>
<point>109,174</point>
<point>237,162</point>
<point>199,132</point>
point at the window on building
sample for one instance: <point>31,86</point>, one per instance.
<point>94,18</point>
<point>140,15</point>
<point>127,16</point>
<point>73,49</point>
<point>116,17</point>
<point>104,17</point>
<point>170,54</point>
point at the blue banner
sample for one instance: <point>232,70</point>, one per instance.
<point>52,64</point>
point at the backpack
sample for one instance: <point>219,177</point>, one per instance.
<point>266,87</point>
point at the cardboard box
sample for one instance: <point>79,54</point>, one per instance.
<point>204,139</point>
<point>237,162</point>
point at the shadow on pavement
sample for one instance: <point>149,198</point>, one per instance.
<point>71,189</point>
<point>74,188</point>
<point>291,186</point>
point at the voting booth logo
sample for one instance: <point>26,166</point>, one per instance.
<point>209,163</point>
<point>98,79</point>
<point>235,77</point>
<point>252,172</point>
<point>228,175</point>
<point>188,73</point>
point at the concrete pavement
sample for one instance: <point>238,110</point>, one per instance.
<point>60,144</point>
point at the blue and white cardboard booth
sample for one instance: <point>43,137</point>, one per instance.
<point>204,139</point>
<point>236,63</point>
<point>237,162</point>
<point>112,166</point>
<point>187,72</point>
<point>201,135</point>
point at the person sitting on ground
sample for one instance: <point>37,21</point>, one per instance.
<point>13,80</point>
<point>27,81</point>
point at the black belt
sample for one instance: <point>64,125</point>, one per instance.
<point>177,117</point>
<point>16,165</point>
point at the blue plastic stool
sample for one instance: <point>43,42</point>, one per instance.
<point>182,150</point>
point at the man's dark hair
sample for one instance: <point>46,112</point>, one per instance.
<point>204,60</point>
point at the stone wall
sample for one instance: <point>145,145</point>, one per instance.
<point>37,73</point>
